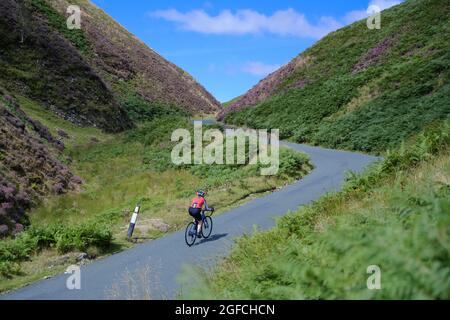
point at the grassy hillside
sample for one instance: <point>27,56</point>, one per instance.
<point>31,165</point>
<point>118,171</point>
<point>92,75</point>
<point>98,77</point>
<point>230,102</point>
<point>47,65</point>
<point>131,67</point>
<point>99,103</point>
<point>357,88</point>
<point>395,216</point>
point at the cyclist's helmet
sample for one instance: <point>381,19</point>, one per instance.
<point>201,193</point>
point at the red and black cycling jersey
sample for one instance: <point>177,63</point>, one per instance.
<point>197,202</point>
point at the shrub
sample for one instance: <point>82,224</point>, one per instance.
<point>426,144</point>
<point>293,164</point>
<point>58,22</point>
<point>141,110</point>
<point>82,237</point>
<point>63,238</point>
<point>7,269</point>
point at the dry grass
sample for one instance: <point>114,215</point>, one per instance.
<point>136,285</point>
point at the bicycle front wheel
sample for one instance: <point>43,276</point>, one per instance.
<point>191,234</point>
<point>207,227</point>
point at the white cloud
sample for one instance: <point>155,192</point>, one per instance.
<point>356,15</point>
<point>287,22</point>
<point>282,22</point>
<point>259,69</point>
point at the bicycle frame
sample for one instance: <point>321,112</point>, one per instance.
<point>192,228</point>
<point>203,216</point>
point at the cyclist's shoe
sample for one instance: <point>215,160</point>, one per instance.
<point>199,235</point>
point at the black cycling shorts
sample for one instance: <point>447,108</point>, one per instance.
<point>196,213</point>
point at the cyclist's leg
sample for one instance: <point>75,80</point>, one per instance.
<point>196,213</point>
<point>200,222</point>
<point>199,226</point>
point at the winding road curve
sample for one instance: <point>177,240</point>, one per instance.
<point>165,257</point>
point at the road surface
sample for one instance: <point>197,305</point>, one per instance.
<point>153,269</point>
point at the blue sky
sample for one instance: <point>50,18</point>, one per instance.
<point>228,46</point>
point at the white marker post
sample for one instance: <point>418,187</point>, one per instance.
<point>133,221</point>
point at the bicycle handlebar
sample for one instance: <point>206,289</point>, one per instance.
<point>212,211</point>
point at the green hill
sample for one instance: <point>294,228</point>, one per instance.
<point>395,216</point>
<point>59,86</point>
<point>86,118</point>
<point>357,88</point>
<point>367,90</point>
<point>99,75</point>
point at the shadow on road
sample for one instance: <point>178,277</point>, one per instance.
<point>214,237</point>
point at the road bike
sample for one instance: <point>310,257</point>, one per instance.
<point>190,234</point>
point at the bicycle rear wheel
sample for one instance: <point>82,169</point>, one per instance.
<point>207,227</point>
<point>190,234</point>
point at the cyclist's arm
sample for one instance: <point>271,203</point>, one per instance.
<point>207,208</point>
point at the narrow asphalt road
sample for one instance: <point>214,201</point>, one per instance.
<point>154,268</point>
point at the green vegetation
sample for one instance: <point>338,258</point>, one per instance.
<point>364,89</point>
<point>78,136</point>
<point>140,109</point>
<point>67,82</point>
<point>230,102</point>
<point>357,89</point>
<point>396,215</point>
<point>61,237</point>
<point>293,166</point>
<point>58,22</point>
<point>66,90</point>
<point>119,171</point>
<point>155,136</point>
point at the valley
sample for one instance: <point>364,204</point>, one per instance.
<point>88,127</point>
